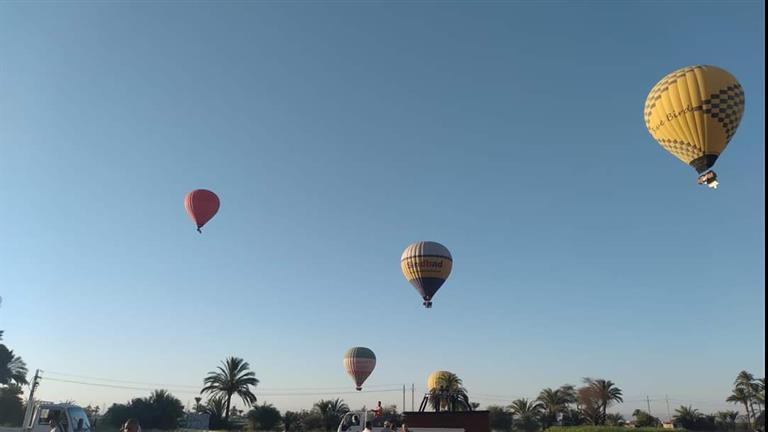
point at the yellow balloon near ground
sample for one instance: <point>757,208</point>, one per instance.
<point>434,379</point>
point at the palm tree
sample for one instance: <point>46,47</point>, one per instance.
<point>553,402</point>
<point>759,391</point>
<point>569,393</point>
<point>595,398</point>
<point>727,419</point>
<point>12,368</point>
<point>741,396</point>
<point>687,417</point>
<point>746,381</point>
<point>450,394</point>
<point>607,393</point>
<point>331,412</point>
<point>526,414</point>
<point>216,408</point>
<point>232,378</point>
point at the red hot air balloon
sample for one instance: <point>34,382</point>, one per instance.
<point>201,205</point>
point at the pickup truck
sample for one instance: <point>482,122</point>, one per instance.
<point>73,418</point>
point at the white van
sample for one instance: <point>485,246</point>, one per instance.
<point>73,418</point>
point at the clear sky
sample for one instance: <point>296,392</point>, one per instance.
<point>336,133</point>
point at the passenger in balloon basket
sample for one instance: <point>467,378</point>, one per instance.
<point>709,178</point>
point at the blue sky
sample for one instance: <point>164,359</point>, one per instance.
<point>336,133</point>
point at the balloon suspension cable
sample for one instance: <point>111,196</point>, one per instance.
<point>709,178</point>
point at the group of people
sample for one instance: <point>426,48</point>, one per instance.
<point>388,427</point>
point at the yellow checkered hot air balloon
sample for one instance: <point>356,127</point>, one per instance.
<point>693,113</point>
<point>426,265</point>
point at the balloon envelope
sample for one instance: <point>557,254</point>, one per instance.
<point>426,265</point>
<point>359,363</point>
<point>433,381</point>
<point>201,205</point>
<point>694,112</point>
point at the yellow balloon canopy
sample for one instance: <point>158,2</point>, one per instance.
<point>433,381</point>
<point>693,113</point>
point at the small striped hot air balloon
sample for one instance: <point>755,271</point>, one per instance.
<point>359,363</point>
<point>426,265</point>
<point>693,113</point>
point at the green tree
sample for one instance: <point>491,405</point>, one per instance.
<point>166,410</point>
<point>614,419</point>
<point>573,417</point>
<point>291,421</point>
<point>310,421</point>
<point>13,370</point>
<point>526,414</point>
<point>644,419</point>
<point>264,417</point>
<point>331,412</point>
<point>499,418</point>
<point>11,406</point>
<point>554,403</point>
<point>744,384</point>
<point>595,397</point>
<point>758,392</point>
<point>691,419</point>
<point>233,377</point>
<point>726,420</point>
<point>160,410</point>
<point>216,408</point>
<point>741,396</point>
<point>449,394</point>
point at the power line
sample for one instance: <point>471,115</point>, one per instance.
<point>262,394</point>
<point>121,381</point>
<point>191,387</point>
<point>114,385</point>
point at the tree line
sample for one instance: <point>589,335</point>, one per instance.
<point>565,406</point>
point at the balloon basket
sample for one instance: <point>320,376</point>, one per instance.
<point>709,178</point>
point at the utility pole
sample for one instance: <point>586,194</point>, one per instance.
<point>403,408</point>
<point>413,396</point>
<point>31,400</point>
<point>669,412</point>
<point>648,400</point>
